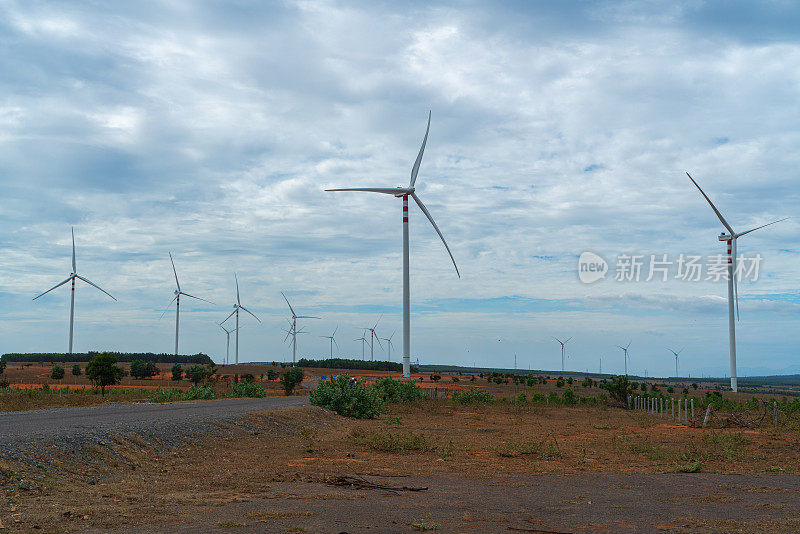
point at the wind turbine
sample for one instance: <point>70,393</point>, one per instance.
<point>733,288</point>
<point>625,350</point>
<point>236,307</point>
<point>72,278</point>
<point>227,342</point>
<point>404,193</point>
<point>363,340</point>
<point>295,317</point>
<point>389,344</point>
<point>676,359</point>
<point>332,339</point>
<point>177,301</point>
<point>372,337</point>
<point>563,353</point>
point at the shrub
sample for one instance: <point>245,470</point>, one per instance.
<point>141,369</point>
<point>569,397</point>
<point>248,377</point>
<point>387,441</point>
<point>290,379</point>
<point>247,389</point>
<point>472,396</point>
<point>2,364</point>
<point>165,395</point>
<point>57,373</point>
<point>620,389</point>
<point>177,372</point>
<point>199,393</point>
<point>272,374</point>
<point>390,390</point>
<point>347,398</point>
<point>76,370</point>
<point>560,383</point>
<point>436,378</point>
<point>196,373</point>
<point>103,371</point>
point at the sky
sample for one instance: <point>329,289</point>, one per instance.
<point>211,130</point>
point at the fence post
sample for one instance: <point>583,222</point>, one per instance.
<point>686,411</point>
<point>672,404</point>
<point>692,409</point>
<point>775,412</point>
<point>708,414</point>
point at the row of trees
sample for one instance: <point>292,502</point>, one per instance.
<point>125,357</point>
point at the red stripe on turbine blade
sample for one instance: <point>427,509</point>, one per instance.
<point>405,219</point>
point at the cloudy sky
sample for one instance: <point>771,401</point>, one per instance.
<point>211,129</point>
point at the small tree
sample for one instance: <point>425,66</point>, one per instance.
<point>272,374</point>
<point>290,379</point>
<point>196,373</point>
<point>57,373</point>
<point>436,378</point>
<point>138,369</point>
<point>177,372</point>
<point>694,385</point>
<point>151,369</point>
<point>76,370</point>
<point>620,389</point>
<point>103,371</point>
<point>2,364</point>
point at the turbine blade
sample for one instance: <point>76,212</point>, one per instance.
<point>567,340</point>
<point>228,317</point>
<point>52,288</point>
<point>379,342</point>
<point>629,344</point>
<point>762,226</point>
<point>288,333</point>
<point>428,215</point>
<point>395,191</point>
<point>376,322</point>
<point>415,170</point>
<point>307,317</point>
<point>335,343</point>
<point>713,207</point>
<point>96,286</point>
<point>198,298</point>
<point>251,313</point>
<point>735,282</point>
<point>174,271</point>
<point>168,307</point>
<point>238,301</point>
<point>74,268</point>
<point>290,306</point>
<point>334,330</point>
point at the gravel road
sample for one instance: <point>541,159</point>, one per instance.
<point>32,436</point>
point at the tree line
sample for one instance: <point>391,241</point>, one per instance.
<point>344,363</point>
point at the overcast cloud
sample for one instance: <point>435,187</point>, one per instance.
<point>211,129</point>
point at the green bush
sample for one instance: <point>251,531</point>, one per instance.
<point>472,396</point>
<point>569,397</point>
<point>247,389</point>
<point>348,399</point>
<point>76,370</point>
<point>165,395</point>
<point>57,373</point>
<point>177,372</point>
<point>620,388</point>
<point>199,393</point>
<point>390,390</point>
<point>291,379</point>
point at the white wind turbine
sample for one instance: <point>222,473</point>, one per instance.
<point>72,278</point>
<point>372,337</point>
<point>676,359</point>
<point>389,344</point>
<point>404,193</point>
<point>363,340</point>
<point>625,350</point>
<point>333,340</point>
<point>236,307</point>
<point>563,352</point>
<point>227,342</point>
<point>733,289</point>
<point>177,301</point>
<point>294,331</point>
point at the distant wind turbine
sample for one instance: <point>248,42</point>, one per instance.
<point>227,342</point>
<point>372,337</point>
<point>404,193</point>
<point>295,317</point>
<point>363,340</point>
<point>72,278</point>
<point>177,301</point>
<point>625,350</point>
<point>236,307</point>
<point>389,344</point>
<point>733,288</point>
<point>333,340</point>
<point>563,352</point>
<point>676,359</point>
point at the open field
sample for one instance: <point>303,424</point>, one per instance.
<point>497,467</point>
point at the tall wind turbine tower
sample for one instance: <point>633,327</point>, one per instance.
<point>363,340</point>
<point>563,352</point>
<point>733,289</point>
<point>333,340</point>
<point>404,193</point>
<point>72,278</point>
<point>236,307</point>
<point>389,344</point>
<point>177,300</point>
<point>227,342</point>
<point>372,337</point>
